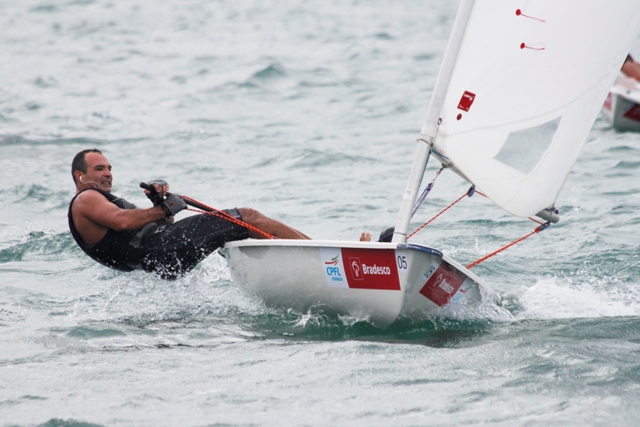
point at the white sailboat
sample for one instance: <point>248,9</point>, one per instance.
<point>519,88</point>
<point>622,106</point>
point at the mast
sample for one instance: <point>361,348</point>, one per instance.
<point>430,126</point>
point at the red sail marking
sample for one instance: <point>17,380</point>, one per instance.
<point>524,46</point>
<point>519,13</point>
<point>466,101</point>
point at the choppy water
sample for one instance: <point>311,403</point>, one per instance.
<point>307,111</point>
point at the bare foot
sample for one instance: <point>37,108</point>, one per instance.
<point>365,236</point>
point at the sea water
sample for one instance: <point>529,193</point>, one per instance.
<point>307,111</point>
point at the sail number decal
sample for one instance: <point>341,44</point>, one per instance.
<point>360,268</point>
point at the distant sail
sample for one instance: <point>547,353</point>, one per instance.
<point>528,83</point>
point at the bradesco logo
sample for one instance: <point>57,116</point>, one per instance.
<point>371,268</point>
<point>442,283</point>
<point>360,270</point>
<point>374,269</point>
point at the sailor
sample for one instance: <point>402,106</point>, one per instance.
<point>385,236</point>
<point>118,235</point>
<point>631,68</point>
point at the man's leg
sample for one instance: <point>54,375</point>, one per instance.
<point>631,69</point>
<point>176,249</point>
<point>268,225</point>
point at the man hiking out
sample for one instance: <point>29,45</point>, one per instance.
<point>115,233</point>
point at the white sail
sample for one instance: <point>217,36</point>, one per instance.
<point>528,83</point>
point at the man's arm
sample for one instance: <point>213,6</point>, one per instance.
<point>94,207</point>
<point>94,215</point>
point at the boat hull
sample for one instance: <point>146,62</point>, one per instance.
<point>622,106</point>
<point>380,282</point>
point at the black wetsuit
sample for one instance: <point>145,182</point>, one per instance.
<point>167,249</point>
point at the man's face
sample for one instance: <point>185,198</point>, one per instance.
<point>98,171</point>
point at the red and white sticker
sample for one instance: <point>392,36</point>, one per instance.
<point>371,269</point>
<point>443,284</point>
<point>360,268</point>
<point>466,100</point>
<point>633,113</point>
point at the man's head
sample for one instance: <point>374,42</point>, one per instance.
<point>91,168</point>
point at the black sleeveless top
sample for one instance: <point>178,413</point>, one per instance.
<point>114,250</point>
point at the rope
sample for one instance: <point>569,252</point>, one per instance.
<point>486,257</point>
<point>468,193</point>
<point>426,192</point>
<point>221,214</point>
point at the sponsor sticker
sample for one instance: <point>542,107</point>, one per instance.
<point>442,283</point>
<point>333,268</point>
<point>467,285</point>
<point>632,111</point>
<point>466,100</point>
<point>371,269</point>
<point>360,268</point>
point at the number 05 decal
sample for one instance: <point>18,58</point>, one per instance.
<point>402,262</point>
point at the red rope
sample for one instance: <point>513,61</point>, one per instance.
<point>221,214</point>
<point>486,257</point>
<point>441,212</point>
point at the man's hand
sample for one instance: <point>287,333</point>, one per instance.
<point>173,204</point>
<point>156,190</point>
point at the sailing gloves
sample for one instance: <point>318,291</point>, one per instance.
<point>171,204</point>
<point>153,195</point>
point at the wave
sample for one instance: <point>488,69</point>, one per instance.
<point>272,71</point>
<point>39,245</point>
<point>568,298</point>
<point>58,422</point>
<point>627,165</point>
<point>19,141</point>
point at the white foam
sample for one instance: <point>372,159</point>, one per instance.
<point>560,298</point>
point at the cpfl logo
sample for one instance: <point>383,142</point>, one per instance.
<point>333,271</point>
